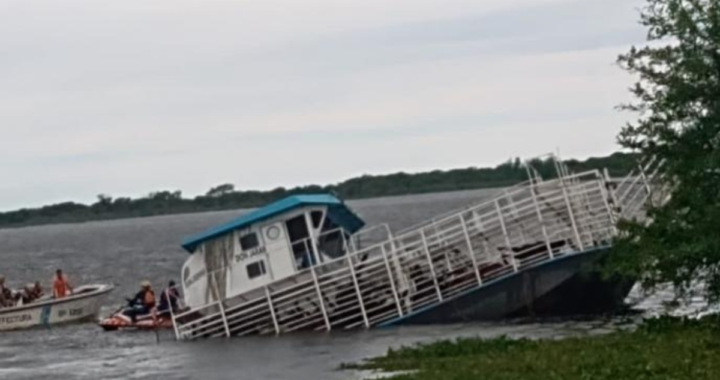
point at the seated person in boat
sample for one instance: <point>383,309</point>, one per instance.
<point>6,295</point>
<point>61,285</point>
<point>142,303</point>
<point>37,290</point>
<point>27,295</point>
<point>169,299</point>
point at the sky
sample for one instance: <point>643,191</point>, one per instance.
<point>128,97</point>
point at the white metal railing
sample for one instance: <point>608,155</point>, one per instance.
<point>518,228</point>
<point>456,211</point>
<point>355,239</point>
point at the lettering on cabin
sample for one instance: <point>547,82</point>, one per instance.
<point>15,319</point>
<point>242,256</point>
<point>194,278</point>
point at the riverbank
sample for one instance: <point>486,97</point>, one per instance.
<point>226,197</point>
<point>664,348</point>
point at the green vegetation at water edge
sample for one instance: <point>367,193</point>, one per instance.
<point>226,197</point>
<point>677,103</point>
<point>659,349</point>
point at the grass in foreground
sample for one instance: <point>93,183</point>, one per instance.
<point>662,348</point>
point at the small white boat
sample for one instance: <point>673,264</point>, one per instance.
<point>82,306</point>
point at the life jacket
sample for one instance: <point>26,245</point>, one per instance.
<point>60,287</point>
<point>149,299</point>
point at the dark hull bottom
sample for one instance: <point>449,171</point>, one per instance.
<point>567,286</point>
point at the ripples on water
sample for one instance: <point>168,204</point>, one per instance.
<point>125,252</point>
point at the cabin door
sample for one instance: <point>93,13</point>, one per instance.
<point>218,256</point>
<point>302,247</point>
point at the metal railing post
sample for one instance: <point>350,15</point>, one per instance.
<point>272,310</point>
<point>392,280</point>
<point>572,217</point>
<point>222,309</point>
<point>352,244</point>
<point>481,230</point>
<point>646,185</point>
<point>528,172</point>
<point>345,244</point>
<point>172,316</point>
<point>471,251</point>
<point>224,318</point>
<point>514,214</point>
<point>612,193</point>
<point>611,214</point>
<point>320,298</point>
<point>432,267</point>
<point>357,291</point>
<point>439,239</point>
<point>507,237</point>
<point>402,282</point>
<point>311,236</point>
<point>542,221</point>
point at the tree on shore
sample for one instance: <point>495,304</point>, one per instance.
<point>677,102</point>
<point>220,190</point>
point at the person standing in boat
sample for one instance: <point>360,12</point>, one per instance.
<point>169,299</point>
<point>143,302</point>
<point>61,285</point>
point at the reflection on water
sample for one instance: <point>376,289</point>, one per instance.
<point>127,251</point>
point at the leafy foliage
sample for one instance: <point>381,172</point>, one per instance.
<point>678,107</point>
<point>663,348</point>
<point>225,196</point>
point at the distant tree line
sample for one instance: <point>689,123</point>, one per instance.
<point>225,196</point>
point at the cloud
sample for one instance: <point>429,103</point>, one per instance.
<point>129,97</point>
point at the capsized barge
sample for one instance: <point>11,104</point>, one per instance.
<point>308,262</point>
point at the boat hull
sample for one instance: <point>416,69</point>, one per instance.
<point>120,321</point>
<point>83,306</point>
<point>568,286</point>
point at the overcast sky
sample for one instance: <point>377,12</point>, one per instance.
<point>127,97</point>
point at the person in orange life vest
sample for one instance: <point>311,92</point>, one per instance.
<point>143,302</point>
<point>61,285</point>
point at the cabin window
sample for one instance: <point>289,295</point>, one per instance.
<point>249,241</point>
<point>331,241</point>
<point>297,229</point>
<point>316,217</point>
<point>329,225</point>
<point>256,269</point>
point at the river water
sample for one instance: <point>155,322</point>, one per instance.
<point>124,252</point>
